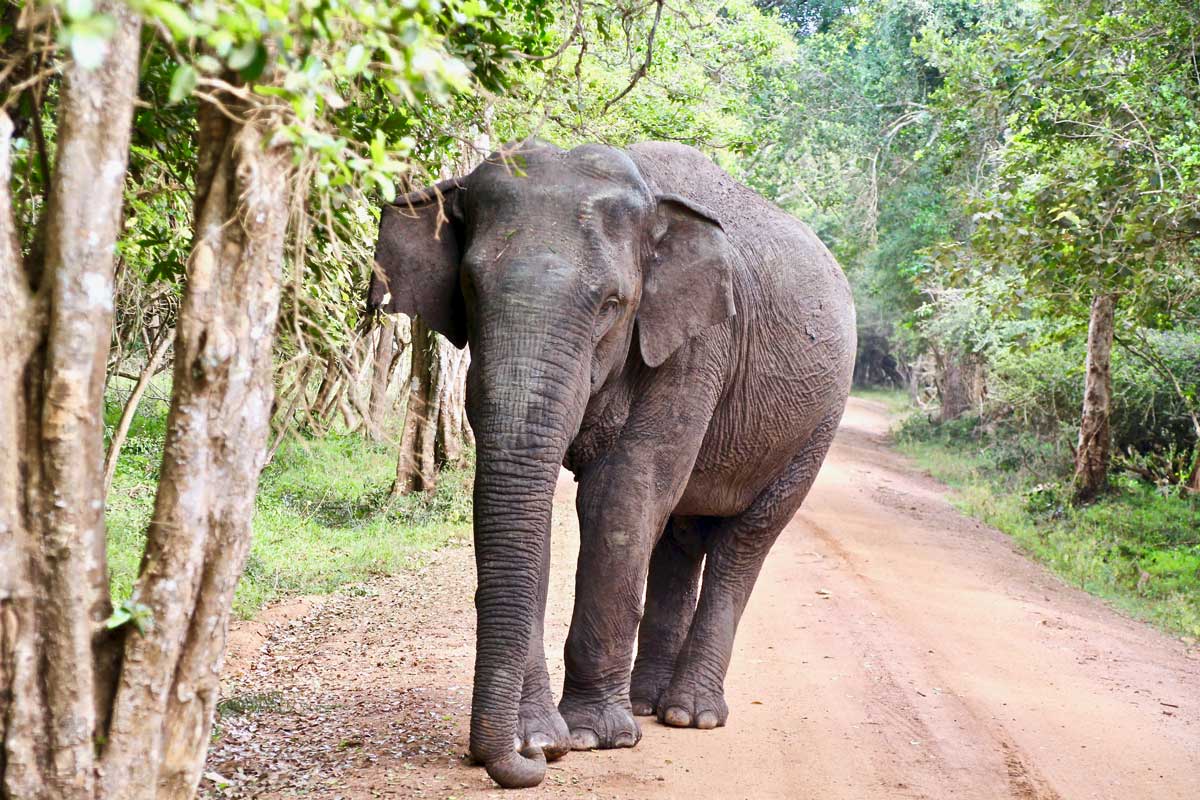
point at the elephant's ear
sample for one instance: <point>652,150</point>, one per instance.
<point>688,283</point>
<point>417,260</point>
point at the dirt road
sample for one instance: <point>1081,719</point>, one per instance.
<point>892,649</point>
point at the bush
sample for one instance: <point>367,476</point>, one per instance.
<point>1041,390</point>
<point>323,517</point>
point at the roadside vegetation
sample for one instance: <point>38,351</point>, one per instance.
<point>1138,546</point>
<point>324,516</point>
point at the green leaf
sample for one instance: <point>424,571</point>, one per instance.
<point>242,56</point>
<point>356,59</point>
<point>142,616</point>
<point>79,9</point>
<point>379,148</point>
<point>183,83</point>
<point>1070,216</point>
<point>175,18</point>
<point>258,63</point>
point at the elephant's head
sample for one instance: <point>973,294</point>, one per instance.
<point>552,265</point>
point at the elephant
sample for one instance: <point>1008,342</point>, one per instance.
<point>681,345</point>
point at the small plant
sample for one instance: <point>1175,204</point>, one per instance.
<point>1046,499</point>
<point>1168,468</point>
<point>130,612</point>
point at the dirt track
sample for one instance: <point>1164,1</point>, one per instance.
<point>892,649</point>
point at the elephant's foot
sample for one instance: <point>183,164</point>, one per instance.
<point>541,727</point>
<point>601,725</point>
<point>647,686</point>
<point>688,705</point>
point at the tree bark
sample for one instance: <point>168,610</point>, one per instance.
<point>381,367</point>
<point>449,447</point>
<point>24,754</point>
<point>954,384</point>
<point>1092,453</point>
<point>131,405</point>
<point>416,469</point>
<point>55,671</point>
<point>216,444</point>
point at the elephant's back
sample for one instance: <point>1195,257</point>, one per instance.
<point>669,167</point>
<point>782,258</point>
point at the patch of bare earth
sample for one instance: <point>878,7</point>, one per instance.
<point>892,649</point>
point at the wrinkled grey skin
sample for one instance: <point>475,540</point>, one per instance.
<point>682,346</point>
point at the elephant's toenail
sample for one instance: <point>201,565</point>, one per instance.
<point>643,708</point>
<point>677,718</point>
<point>624,740</point>
<point>706,720</point>
<point>584,739</point>
<point>553,752</point>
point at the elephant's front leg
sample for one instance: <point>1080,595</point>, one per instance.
<point>624,500</point>
<point>618,525</point>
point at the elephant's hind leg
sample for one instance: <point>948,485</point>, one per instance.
<point>737,548</point>
<point>671,591</point>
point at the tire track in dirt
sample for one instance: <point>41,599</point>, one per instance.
<point>892,649</point>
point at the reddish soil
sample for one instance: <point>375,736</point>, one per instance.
<point>892,649</point>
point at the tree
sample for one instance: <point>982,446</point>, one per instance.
<point>57,672</point>
<point>385,354</point>
<point>847,140</point>
<point>97,702</point>
<point>416,466</point>
<point>1093,187</point>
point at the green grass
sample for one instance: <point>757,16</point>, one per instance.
<point>322,519</point>
<point>895,400</point>
<point>1138,547</point>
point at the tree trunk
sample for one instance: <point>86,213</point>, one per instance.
<point>215,448</point>
<point>449,446</point>
<point>378,406</point>
<point>954,381</point>
<point>131,405</point>
<point>56,673</point>
<point>330,382</point>
<point>1092,454</point>
<point>283,420</point>
<point>416,469</point>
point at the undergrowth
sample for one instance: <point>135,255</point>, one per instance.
<point>1138,547</point>
<point>323,519</point>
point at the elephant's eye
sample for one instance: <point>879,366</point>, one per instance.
<point>606,316</point>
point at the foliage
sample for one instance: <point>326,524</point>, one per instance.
<point>1095,176</point>
<point>635,70</point>
<point>850,144</point>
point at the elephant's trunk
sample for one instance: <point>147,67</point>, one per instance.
<point>523,422</point>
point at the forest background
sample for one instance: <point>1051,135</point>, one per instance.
<point>1013,187</point>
